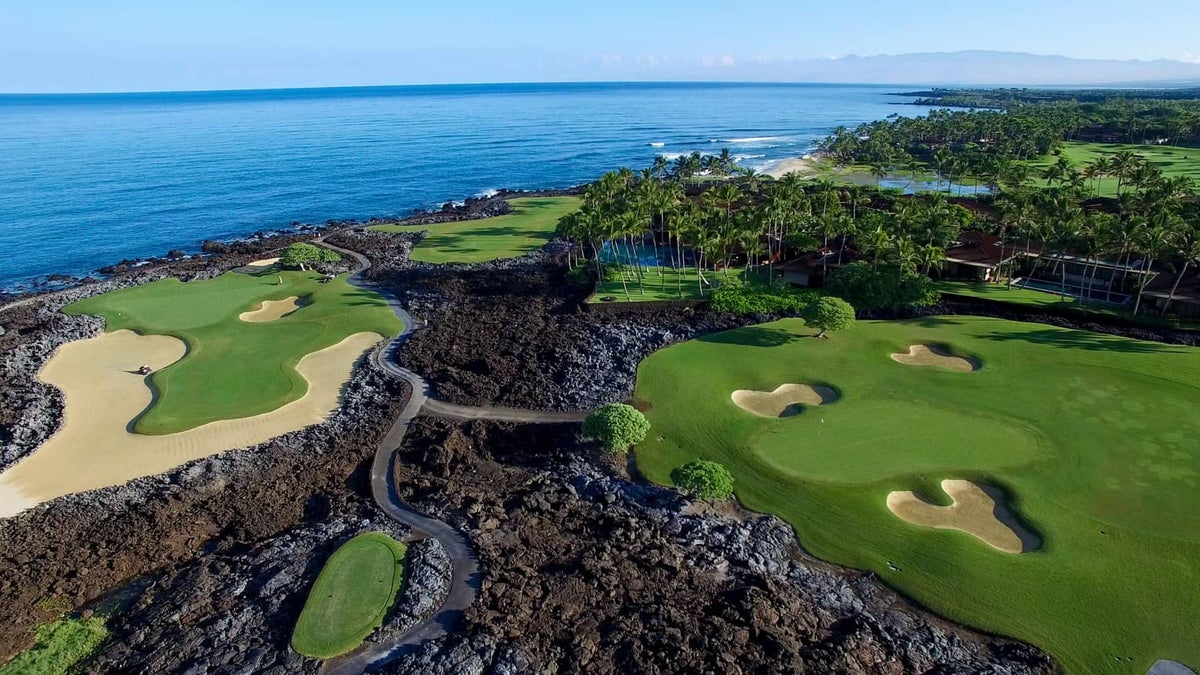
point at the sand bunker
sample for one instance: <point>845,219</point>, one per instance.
<point>785,401</point>
<point>271,310</point>
<point>924,355</point>
<point>257,267</point>
<point>977,510</point>
<point>1169,667</point>
<point>103,393</point>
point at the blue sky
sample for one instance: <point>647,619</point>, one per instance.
<point>130,45</point>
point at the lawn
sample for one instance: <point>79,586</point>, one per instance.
<point>351,596</point>
<point>527,229</point>
<point>1094,438</point>
<point>1002,293</point>
<point>234,368</point>
<point>1173,161</point>
<point>660,284</point>
<point>59,647</point>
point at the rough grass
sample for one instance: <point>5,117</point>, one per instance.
<point>527,229</point>
<point>60,646</point>
<point>1173,161</point>
<point>351,596</point>
<point>1095,439</point>
<point>233,368</point>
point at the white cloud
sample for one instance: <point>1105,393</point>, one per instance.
<point>1189,57</point>
<point>610,59</point>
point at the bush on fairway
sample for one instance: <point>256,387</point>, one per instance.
<point>829,314</point>
<point>617,426</point>
<point>704,478</point>
<point>350,598</point>
<point>301,255</point>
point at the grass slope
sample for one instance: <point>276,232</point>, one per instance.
<point>60,646</point>
<point>1173,161</point>
<point>1095,438</point>
<point>234,368</point>
<point>525,230</point>
<point>351,596</point>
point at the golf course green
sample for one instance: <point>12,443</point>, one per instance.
<point>1092,440</point>
<point>351,596</point>
<point>1173,161</point>
<point>526,229</point>
<point>233,367</point>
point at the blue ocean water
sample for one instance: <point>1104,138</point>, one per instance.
<point>87,180</point>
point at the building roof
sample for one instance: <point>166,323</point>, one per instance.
<point>980,249</point>
<point>825,257</point>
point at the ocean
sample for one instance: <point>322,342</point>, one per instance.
<point>89,180</point>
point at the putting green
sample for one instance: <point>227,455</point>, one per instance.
<point>351,596</point>
<point>235,368</point>
<point>1092,439</point>
<point>526,229</point>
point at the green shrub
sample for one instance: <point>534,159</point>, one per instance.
<point>580,277</point>
<point>613,271</point>
<point>882,287</point>
<point>704,479</point>
<point>300,255</point>
<point>736,297</point>
<point>828,314</point>
<point>617,426</point>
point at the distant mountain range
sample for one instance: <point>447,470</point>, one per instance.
<point>974,67</point>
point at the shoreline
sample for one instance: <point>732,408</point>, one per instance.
<point>210,251</point>
<point>805,166</point>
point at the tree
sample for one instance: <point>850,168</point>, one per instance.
<point>704,478</point>
<point>617,425</point>
<point>299,255</point>
<point>828,314</point>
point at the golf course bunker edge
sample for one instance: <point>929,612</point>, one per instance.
<point>786,401</point>
<point>977,510</point>
<point>271,310</point>
<point>932,355</point>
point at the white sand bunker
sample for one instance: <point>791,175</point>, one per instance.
<point>103,393</point>
<point>785,401</point>
<point>977,510</point>
<point>270,310</point>
<point>925,355</point>
<point>1169,667</point>
<point>257,266</point>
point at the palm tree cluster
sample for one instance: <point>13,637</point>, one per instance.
<point>647,222</point>
<point>1151,227</point>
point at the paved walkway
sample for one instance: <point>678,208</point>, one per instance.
<point>465,578</point>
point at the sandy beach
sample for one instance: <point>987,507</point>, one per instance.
<point>806,166</point>
<point>103,394</point>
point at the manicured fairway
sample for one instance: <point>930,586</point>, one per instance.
<point>351,596</point>
<point>525,230</point>
<point>1095,439</point>
<point>1173,161</point>
<point>234,368</point>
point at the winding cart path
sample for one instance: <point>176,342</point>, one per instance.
<point>465,578</point>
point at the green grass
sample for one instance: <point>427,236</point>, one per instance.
<point>1002,293</point>
<point>60,646</point>
<point>1173,161</point>
<point>526,230</point>
<point>232,368</point>
<point>661,284</point>
<point>1095,438</point>
<point>351,596</point>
